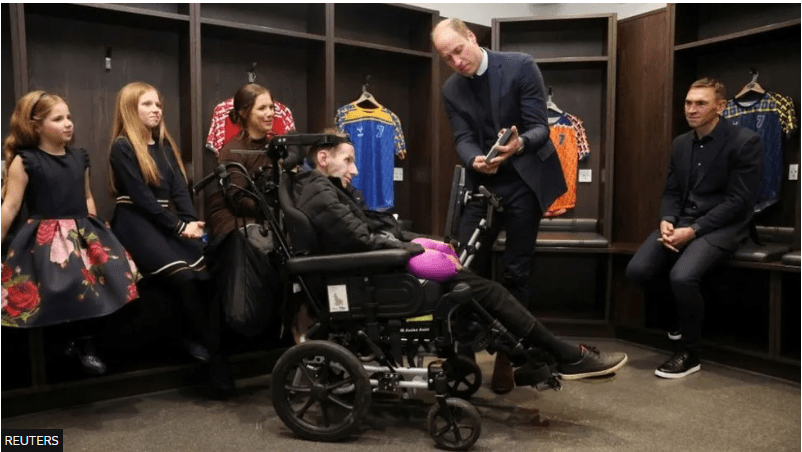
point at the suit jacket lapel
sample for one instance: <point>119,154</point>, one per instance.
<point>495,75</point>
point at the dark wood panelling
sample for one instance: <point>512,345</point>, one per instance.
<point>298,17</point>
<point>704,21</point>
<point>9,96</point>
<point>642,140</point>
<point>378,24</point>
<point>556,38</point>
<point>74,69</point>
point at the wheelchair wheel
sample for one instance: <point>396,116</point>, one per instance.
<point>462,433</point>
<point>320,391</point>
<point>464,376</point>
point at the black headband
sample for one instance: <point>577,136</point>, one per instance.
<point>33,109</point>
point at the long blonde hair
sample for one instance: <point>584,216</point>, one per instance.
<point>128,125</point>
<point>30,111</point>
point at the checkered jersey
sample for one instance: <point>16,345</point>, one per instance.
<point>569,138</point>
<point>787,113</point>
<point>377,137</point>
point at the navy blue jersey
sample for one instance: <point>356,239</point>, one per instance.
<point>762,117</point>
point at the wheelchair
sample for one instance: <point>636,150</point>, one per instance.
<point>376,324</point>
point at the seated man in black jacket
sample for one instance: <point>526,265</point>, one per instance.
<point>334,208</point>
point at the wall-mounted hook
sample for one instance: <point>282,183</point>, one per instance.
<point>366,86</point>
<point>252,73</point>
<point>108,58</point>
<point>755,74</point>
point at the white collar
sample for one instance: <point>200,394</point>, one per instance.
<point>483,65</point>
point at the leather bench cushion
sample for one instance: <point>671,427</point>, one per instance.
<point>569,224</point>
<point>752,252</point>
<point>791,258</point>
<point>560,239</point>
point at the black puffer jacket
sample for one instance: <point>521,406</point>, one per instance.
<point>336,215</point>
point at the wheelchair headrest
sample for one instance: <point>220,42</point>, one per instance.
<point>297,145</point>
<point>302,234</point>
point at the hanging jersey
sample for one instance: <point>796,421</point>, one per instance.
<point>377,137</point>
<point>763,117</point>
<point>222,129</point>
<point>569,138</point>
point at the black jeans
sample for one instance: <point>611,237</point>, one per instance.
<point>685,270</point>
<point>521,220</point>
<point>497,300</point>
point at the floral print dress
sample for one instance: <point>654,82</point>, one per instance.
<point>62,264</point>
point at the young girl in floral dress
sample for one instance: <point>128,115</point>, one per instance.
<point>64,264</point>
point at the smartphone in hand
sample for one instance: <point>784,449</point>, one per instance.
<point>502,140</point>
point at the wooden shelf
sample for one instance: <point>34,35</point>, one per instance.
<point>261,29</point>
<point>741,34</point>
<point>135,10</point>
<point>383,48</point>
<point>573,60</point>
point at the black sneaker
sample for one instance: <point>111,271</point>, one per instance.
<point>680,365</point>
<point>592,364</point>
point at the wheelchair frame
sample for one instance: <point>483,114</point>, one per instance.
<point>321,389</point>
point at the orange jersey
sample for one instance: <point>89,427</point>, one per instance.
<point>569,138</point>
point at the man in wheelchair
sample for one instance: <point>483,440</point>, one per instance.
<point>325,195</point>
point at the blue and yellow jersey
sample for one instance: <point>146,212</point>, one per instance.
<point>377,137</point>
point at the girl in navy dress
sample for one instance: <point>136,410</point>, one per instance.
<point>154,217</point>
<point>63,264</point>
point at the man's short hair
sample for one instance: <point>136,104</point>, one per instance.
<point>316,148</point>
<point>454,24</point>
<point>718,87</point>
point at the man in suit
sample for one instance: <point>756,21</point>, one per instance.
<point>713,183</point>
<point>490,92</point>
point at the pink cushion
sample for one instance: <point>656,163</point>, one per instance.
<point>437,263</point>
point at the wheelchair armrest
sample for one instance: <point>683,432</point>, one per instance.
<point>370,261</point>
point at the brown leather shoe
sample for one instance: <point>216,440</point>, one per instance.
<point>502,381</point>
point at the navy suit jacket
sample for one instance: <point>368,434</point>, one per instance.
<point>517,97</point>
<point>726,191</point>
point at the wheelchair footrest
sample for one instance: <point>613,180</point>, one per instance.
<point>539,375</point>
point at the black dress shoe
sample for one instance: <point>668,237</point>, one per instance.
<point>680,365</point>
<point>197,351</point>
<point>89,362</point>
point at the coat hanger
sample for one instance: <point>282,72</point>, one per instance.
<point>752,86</point>
<point>366,100</point>
<point>550,105</point>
